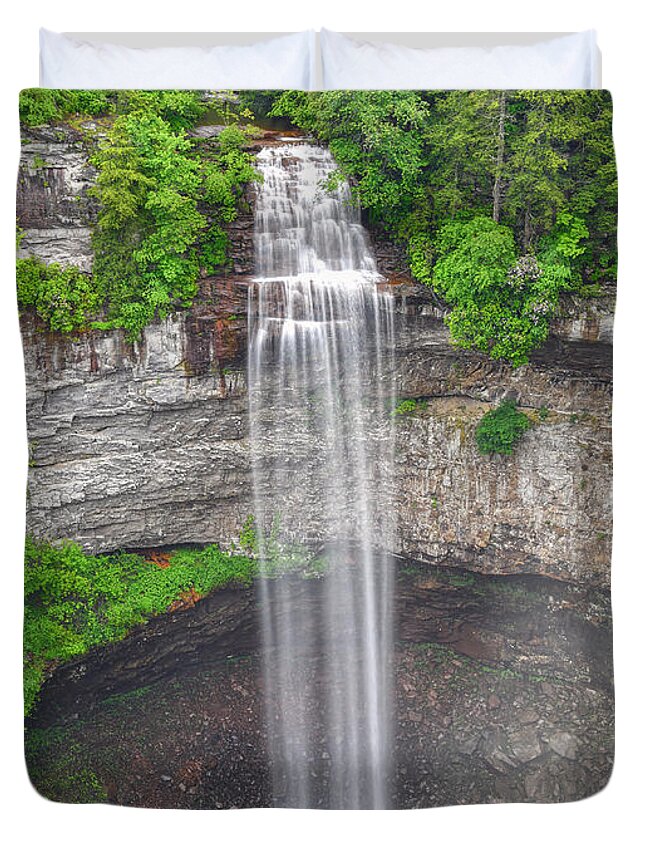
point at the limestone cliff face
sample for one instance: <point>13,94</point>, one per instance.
<point>546,508</point>
<point>137,445</point>
<point>53,207</point>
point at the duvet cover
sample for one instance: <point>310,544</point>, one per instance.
<point>319,421</point>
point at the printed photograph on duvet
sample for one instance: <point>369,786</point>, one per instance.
<point>319,421</point>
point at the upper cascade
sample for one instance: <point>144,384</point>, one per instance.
<point>305,221</point>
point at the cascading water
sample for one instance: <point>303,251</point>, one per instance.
<point>320,374</point>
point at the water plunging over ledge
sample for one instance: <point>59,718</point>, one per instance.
<point>320,374</point>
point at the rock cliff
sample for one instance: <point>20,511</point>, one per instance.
<point>146,444</point>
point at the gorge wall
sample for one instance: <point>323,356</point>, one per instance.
<point>146,444</point>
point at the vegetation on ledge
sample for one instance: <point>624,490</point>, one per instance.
<point>63,297</point>
<point>43,106</point>
<point>74,601</point>
<point>410,407</point>
<point>500,430</point>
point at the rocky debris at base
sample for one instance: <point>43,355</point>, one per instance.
<point>197,741</point>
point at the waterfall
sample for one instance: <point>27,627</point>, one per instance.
<point>320,391</point>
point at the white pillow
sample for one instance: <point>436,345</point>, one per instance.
<point>285,62</point>
<point>566,62</point>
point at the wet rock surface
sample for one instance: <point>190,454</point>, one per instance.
<point>504,694</point>
<point>465,733</point>
<point>472,734</point>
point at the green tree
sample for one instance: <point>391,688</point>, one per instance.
<point>148,221</point>
<point>501,303</point>
<point>433,166</point>
<point>377,141</point>
<point>152,235</point>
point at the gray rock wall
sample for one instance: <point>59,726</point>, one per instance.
<point>131,446</point>
<point>53,207</point>
<point>546,508</point>
<point>147,444</point>
<point>128,446</point>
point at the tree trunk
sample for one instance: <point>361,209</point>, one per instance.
<point>499,164</point>
<point>526,243</point>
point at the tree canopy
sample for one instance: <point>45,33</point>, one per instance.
<point>504,200</point>
<point>163,206</point>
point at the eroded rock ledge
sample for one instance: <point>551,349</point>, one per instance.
<point>530,626</point>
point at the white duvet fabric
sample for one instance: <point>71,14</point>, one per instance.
<point>285,62</point>
<point>566,62</point>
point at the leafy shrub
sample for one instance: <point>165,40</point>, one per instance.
<point>38,106</point>
<point>248,537</point>
<point>502,304</point>
<point>63,297</point>
<point>74,601</point>
<point>500,429</point>
<point>179,108</point>
<point>474,258</point>
<point>409,407</point>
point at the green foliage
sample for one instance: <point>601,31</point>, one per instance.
<point>475,183</point>
<point>164,204</point>
<point>500,429</point>
<point>421,255</point>
<point>42,106</point>
<point>147,186</point>
<point>473,259</point>
<point>501,304</point>
<point>410,407</point>
<point>248,537</point>
<point>258,102</point>
<point>146,240</point>
<point>180,109</point>
<point>74,601</point>
<point>377,139</point>
<point>152,236</point>
<point>223,180</point>
<point>63,297</point>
